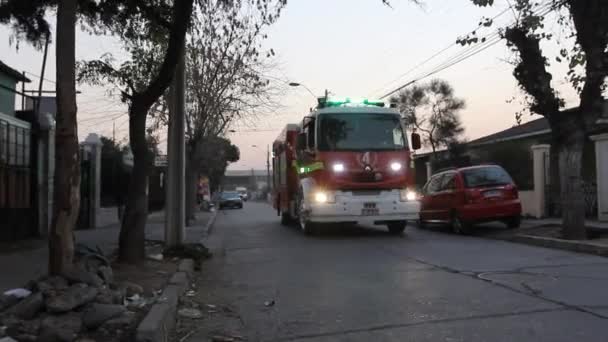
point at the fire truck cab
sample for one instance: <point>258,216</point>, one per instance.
<point>347,162</point>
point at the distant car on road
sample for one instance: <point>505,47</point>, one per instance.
<point>230,199</point>
<point>243,193</point>
<point>464,196</point>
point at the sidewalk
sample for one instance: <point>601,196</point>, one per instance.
<point>547,233</point>
<point>19,266</point>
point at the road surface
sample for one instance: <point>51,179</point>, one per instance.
<point>271,283</point>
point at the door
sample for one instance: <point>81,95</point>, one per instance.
<point>446,197</point>
<point>428,208</point>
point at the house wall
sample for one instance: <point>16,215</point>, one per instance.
<point>7,98</point>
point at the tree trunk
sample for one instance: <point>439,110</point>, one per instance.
<point>133,230</point>
<point>66,202</point>
<point>572,197</point>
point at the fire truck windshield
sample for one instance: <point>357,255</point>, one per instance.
<point>360,132</point>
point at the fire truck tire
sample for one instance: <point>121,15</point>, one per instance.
<point>397,227</point>
<point>286,219</point>
<point>309,228</point>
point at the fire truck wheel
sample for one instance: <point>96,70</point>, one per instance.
<point>309,228</point>
<point>286,219</point>
<point>397,227</point>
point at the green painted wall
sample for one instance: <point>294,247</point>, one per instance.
<point>7,98</point>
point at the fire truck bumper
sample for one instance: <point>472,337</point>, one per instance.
<point>364,208</point>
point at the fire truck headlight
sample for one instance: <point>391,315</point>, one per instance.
<point>396,166</point>
<point>408,195</point>
<point>324,197</point>
<point>338,168</point>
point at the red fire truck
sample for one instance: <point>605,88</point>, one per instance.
<point>347,162</point>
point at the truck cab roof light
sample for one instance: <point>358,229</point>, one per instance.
<point>337,102</point>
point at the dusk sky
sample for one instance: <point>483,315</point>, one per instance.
<point>357,48</point>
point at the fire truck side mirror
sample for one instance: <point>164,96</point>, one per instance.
<point>416,143</point>
<point>301,143</point>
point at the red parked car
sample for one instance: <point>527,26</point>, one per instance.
<point>465,196</point>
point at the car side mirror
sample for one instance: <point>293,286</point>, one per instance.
<point>416,143</point>
<point>301,142</point>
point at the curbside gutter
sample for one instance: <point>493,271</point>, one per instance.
<point>588,247</point>
<point>160,321</point>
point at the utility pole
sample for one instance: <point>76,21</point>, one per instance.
<point>175,208</point>
<point>114,131</point>
<point>268,167</point>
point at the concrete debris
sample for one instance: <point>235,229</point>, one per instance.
<point>97,314</point>
<point>28,307</point>
<point>76,296</point>
<point>60,328</point>
<point>80,275</point>
<point>190,313</point>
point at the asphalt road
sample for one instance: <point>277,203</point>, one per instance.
<point>271,283</point>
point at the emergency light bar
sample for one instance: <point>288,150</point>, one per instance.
<point>337,102</point>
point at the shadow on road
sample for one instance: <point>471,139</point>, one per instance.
<point>349,231</point>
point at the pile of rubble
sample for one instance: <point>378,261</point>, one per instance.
<point>82,304</point>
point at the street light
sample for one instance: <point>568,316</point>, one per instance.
<point>267,165</point>
<point>296,84</point>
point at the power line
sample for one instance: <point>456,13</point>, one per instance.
<point>38,76</point>
<point>439,52</point>
<point>470,52</point>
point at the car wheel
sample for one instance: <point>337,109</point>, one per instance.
<point>397,228</point>
<point>513,222</point>
<point>459,226</point>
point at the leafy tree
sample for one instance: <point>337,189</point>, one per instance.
<point>433,110</point>
<point>215,156</point>
<point>587,25</point>
<point>225,78</point>
<point>132,21</point>
<point>28,23</point>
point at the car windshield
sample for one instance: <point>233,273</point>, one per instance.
<point>360,132</point>
<point>486,176</point>
<point>229,195</point>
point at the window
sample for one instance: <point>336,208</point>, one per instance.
<point>19,148</point>
<point>310,134</point>
<point>3,142</point>
<point>26,147</point>
<point>486,176</point>
<point>361,132</point>
<point>12,143</point>
<point>448,182</point>
<point>434,185</point>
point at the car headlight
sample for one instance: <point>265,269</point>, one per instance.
<point>407,195</point>
<point>324,197</point>
<point>338,167</point>
<point>396,166</point>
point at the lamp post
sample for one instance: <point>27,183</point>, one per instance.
<point>267,165</point>
<point>296,84</point>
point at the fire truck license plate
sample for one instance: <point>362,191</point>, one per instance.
<point>369,209</point>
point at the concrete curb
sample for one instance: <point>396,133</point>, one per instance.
<point>209,226</point>
<point>587,247</point>
<point>160,321</point>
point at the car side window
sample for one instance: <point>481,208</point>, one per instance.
<point>434,185</point>
<point>449,182</point>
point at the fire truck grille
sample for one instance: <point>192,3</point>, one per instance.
<point>365,177</point>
